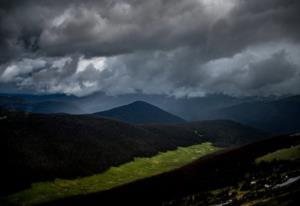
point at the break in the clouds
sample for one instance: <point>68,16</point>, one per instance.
<point>178,48</point>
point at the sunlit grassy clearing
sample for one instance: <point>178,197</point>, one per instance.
<point>291,153</point>
<point>115,176</point>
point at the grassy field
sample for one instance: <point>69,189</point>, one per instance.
<point>115,176</point>
<point>291,153</point>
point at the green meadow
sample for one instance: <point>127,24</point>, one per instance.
<point>291,153</point>
<point>115,176</point>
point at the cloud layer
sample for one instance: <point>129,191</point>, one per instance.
<point>178,48</point>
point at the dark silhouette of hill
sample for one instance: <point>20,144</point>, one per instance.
<point>223,169</point>
<point>280,116</point>
<point>223,133</point>
<point>57,145</point>
<point>39,147</point>
<point>140,112</point>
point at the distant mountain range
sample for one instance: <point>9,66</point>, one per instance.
<point>46,146</point>
<point>272,114</point>
<point>280,116</point>
<point>140,112</point>
<point>38,105</point>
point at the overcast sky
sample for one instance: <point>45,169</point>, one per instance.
<point>181,48</point>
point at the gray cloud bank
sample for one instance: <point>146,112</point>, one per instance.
<point>179,48</point>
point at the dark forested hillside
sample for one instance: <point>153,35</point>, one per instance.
<point>42,147</point>
<point>223,133</point>
<point>51,146</point>
<point>232,177</point>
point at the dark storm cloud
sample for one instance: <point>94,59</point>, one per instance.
<point>116,27</point>
<point>180,48</point>
<point>247,73</point>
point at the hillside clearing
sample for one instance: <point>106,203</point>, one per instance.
<point>291,153</point>
<point>115,176</point>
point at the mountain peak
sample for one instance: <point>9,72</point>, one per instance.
<point>142,105</point>
<point>140,102</point>
<point>140,112</point>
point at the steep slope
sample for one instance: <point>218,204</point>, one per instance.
<point>140,112</point>
<point>212,180</point>
<point>281,116</point>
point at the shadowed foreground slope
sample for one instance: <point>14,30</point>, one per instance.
<point>137,169</point>
<point>226,169</point>
<point>40,147</point>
